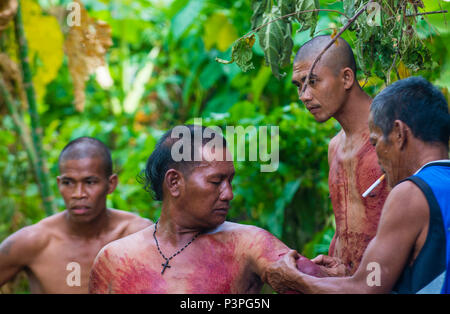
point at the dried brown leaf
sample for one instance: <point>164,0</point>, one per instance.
<point>8,9</point>
<point>86,46</point>
<point>11,75</point>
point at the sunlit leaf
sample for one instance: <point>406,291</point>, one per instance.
<point>219,32</point>
<point>45,45</point>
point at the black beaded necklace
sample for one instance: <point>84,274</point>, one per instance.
<point>166,264</point>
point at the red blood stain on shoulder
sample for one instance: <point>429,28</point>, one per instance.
<point>124,275</point>
<point>100,275</point>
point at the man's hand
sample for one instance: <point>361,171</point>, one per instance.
<point>282,274</point>
<point>332,266</point>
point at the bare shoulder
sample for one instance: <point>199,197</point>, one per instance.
<point>125,245</point>
<point>334,144</point>
<point>249,236</point>
<point>128,221</point>
<point>242,230</point>
<point>405,205</point>
<point>31,240</point>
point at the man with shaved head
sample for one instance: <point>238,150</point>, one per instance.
<point>57,253</point>
<point>334,92</point>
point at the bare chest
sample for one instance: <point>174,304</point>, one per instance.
<point>64,266</point>
<point>351,173</point>
<point>202,268</point>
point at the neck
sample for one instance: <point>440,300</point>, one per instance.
<point>90,229</point>
<point>354,114</point>
<point>424,153</point>
<point>173,228</point>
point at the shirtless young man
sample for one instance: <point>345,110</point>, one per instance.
<point>333,91</point>
<point>409,128</point>
<point>57,253</point>
<point>191,249</point>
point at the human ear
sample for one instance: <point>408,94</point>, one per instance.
<point>112,180</point>
<point>348,77</point>
<point>400,134</point>
<point>173,182</point>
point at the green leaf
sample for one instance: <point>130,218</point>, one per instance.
<point>259,7</point>
<point>276,41</point>
<point>307,20</point>
<point>276,218</point>
<point>241,54</point>
<point>183,20</point>
<point>287,6</point>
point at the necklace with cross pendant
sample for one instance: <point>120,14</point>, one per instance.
<point>166,264</point>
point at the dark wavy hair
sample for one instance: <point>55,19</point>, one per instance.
<point>161,159</point>
<point>416,102</point>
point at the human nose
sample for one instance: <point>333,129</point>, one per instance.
<point>227,192</point>
<point>305,96</point>
<point>79,191</point>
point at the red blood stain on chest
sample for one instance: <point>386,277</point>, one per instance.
<point>348,180</point>
<point>135,277</point>
<point>215,267</point>
<point>368,171</point>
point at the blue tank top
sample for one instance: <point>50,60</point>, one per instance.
<point>430,271</point>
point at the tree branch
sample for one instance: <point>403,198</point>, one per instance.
<point>289,15</point>
<point>426,13</point>
<point>332,41</point>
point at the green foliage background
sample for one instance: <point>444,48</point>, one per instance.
<point>293,202</point>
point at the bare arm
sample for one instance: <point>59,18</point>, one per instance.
<point>18,250</point>
<point>405,216</point>
<point>264,250</point>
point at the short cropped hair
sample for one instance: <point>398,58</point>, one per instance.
<point>416,102</point>
<point>87,147</point>
<point>336,57</point>
<point>161,159</point>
